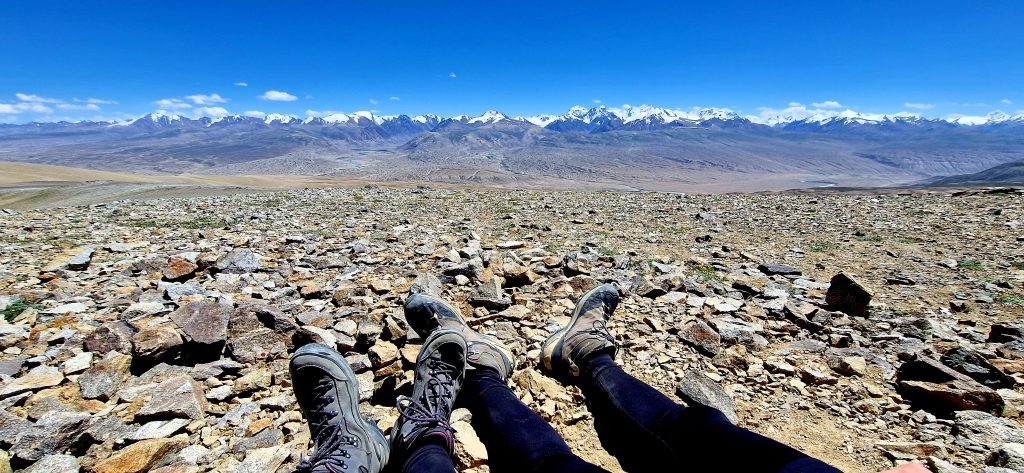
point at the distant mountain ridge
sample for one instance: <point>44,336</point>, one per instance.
<point>644,147</point>
<point>592,120</point>
<point>1001,175</point>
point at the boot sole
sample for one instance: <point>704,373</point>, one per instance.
<point>551,351</point>
<point>332,361</point>
<point>480,338</point>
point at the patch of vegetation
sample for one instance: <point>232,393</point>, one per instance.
<point>357,197</point>
<point>203,222</point>
<point>823,246</point>
<point>143,223</point>
<point>378,235</point>
<point>707,273</point>
<point>1010,299</point>
<point>605,251</point>
<point>901,312</point>
<point>970,264</point>
<point>15,309</point>
<point>1019,265</point>
<point>272,203</point>
<point>874,238</point>
<point>910,240</point>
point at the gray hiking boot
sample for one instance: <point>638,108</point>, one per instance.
<point>426,314</point>
<point>328,394</point>
<point>585,334</point>
<point>440,370</point>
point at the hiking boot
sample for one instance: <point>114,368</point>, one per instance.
<point>328,394</point>
<point>426,314</point>
<point>586,333</point>
<point>440,370</point>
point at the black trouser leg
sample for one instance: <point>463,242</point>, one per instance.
<point>641,425</point>
<point>517,439</point>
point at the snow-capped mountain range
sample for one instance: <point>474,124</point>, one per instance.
<point>577,119</point>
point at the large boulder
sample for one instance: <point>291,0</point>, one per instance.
<point>698,389</point>
<point>177,398</point>
<point>971,363</point>
<point>205,326</point>
<point>928,384</point>
<point>848,296</point>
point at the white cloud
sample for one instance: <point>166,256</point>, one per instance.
<point>172,104</point>
<point>8,108</point>
<point>36,98</point>
<point>597,101</point>
<point>97,101</point>
<point>1007,101</point>
<point>71,106</point>
<point>212,112</point>
<point>452,75</point>
<point>394,98</point>
<point>242,84</point>
<point>919,106</point>
<point>373,101</point>
<point>278,96</point>
<point>796,104</point>
<point>827,104</point>
<point>32,107</point>
<point>254,113</point>
<point>203,99</point>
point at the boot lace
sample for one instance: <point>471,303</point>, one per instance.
<point>431,411</point>
<point>329,440</point>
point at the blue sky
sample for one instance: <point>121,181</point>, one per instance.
<point>937,58</point>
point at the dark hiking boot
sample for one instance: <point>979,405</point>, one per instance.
<point>328,394</point>
<point>585,334</point>
<point>440,370</point>
<point>426,314</point>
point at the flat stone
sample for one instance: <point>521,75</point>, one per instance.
<point>697,389</point>
<point>70,308</point>
<point>1008,455</point>
<point>78,363</point>
<point>262,460</point>
<point>982,432</point>
<point>37,378</point>
<point>701,336</point>
<point>56,431</point>
<point>239,260</point>
<point>972,364</point>
<point>777,268</point>
<point>936,388</point>
<point>58,463</point>
<point>111,336</point>
<point>159,429</point>
<point>156,344</point>
<point>178,269</point>
<point>178,397</point>
<point>383,354</point>
<point>106,377</point>
<point>203,323</point>
<point>140,456</point>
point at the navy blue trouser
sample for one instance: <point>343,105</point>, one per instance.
<point>644,429</point>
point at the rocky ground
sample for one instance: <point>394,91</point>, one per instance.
<point>867,330</point>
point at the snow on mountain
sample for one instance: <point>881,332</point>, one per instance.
<point>490,116</point>
<point>973,120</point>
<point>540,120</point>
<point>278,118</point>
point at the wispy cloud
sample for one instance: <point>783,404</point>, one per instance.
<point>827,104</point>
<point>36,98</point>
<point>597,101</point>
<point>242,84</point>
<point>8,108</point>
<point>919,106</point>
<point>74,106</point>
<point>1007,101</point>
<point>96,101</point>
<point>172,104</point>
<point>203,99</point>
<point>452,75</point>
<point>278,96</point>
<point>394,98</point>
<point>212,112</point>
<point>254,113</point>
<point>372,101</point>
